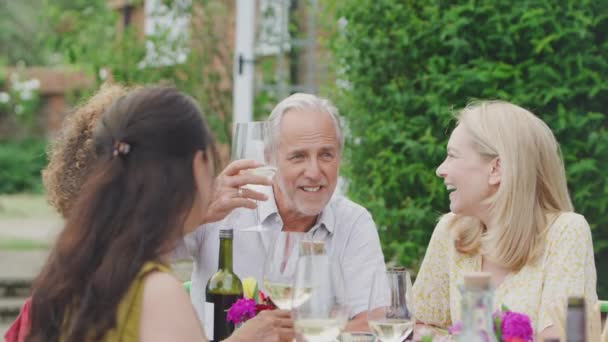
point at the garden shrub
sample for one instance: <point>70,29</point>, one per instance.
<point>21,162</point>
<point>405,66</point>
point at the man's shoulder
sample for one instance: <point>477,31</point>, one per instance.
<point>341,206</point>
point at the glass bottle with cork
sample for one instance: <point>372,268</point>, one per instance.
<point>476,305</point>
<point>576,323</point>
<point>223,289</point>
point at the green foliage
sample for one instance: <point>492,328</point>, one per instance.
<point>408,64</point>
<point>85,35</point>
<point>21,163</point>
<point>19,26</point>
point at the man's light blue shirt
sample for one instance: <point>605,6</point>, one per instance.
<point>348,230</point>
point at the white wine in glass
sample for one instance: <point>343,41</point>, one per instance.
<point>279,270</point>
<point>250,141</point>
<point>283,296</point>
<point>390,317</point>
<point>322,317</point>
<point>391,329</point>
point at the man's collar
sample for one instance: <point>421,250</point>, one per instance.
<point>326,218</point>
<point>268,208</point>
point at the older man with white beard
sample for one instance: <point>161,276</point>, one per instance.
<point>306,147</point>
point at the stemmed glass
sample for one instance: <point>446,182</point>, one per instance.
<point>280,268</point>
<point>250,141</point>
<point>324,314</point>
<point>390,315</point>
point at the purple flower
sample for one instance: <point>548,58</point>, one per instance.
<point>241,311</point>
<point>455,328</point>
<point>516,325</point>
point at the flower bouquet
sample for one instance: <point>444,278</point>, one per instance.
<point>252,303</point>
<point>509,326</point>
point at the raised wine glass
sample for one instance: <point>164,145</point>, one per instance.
<point>250,141</point>
<point>390,317</point>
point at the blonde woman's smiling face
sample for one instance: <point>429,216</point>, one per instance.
<point>467,175</point>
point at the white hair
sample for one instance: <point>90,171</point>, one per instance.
<point>302,102</point>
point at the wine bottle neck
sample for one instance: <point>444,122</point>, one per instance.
<point>225,262</point>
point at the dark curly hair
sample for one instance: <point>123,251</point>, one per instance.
<point>72,153</point>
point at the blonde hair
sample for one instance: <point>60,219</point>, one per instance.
<point>72,152</point>
<point>532,184</point>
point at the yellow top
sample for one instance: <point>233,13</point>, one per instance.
<point>566,268</point>
<point>129,308</point>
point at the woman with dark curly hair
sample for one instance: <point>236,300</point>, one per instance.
<point>70,156</point>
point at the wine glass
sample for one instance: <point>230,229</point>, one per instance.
<point>279,269</point>
<point>250,140</point>
<point>390,315</point>
<point>323,315</point>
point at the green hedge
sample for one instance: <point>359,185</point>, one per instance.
<point>409,64</point>
<point>20,165</point>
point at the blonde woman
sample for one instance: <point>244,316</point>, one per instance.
<point>511,216</point>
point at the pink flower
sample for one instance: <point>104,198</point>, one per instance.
<point>241,311</point>
<point>516,326</point>
<point>455,328</point>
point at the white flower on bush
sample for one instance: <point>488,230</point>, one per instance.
<point>24,90</point>
<point>103,74</point>
<point>22,97</point>
<point>4,97</point>
<point>26,95</point>
<point>26,86</point>
<point>34,84</point>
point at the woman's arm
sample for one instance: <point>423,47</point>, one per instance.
<point>569,270</point>
<point>431,292</point>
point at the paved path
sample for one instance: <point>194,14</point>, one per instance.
<point>3,329</point>
<point>34,229</point>
<point>19,264</point>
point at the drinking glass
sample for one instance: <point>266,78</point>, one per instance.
<point>280,268</point>
<point>250,140</point>
<point>390,315</point>
<point>323,315</point>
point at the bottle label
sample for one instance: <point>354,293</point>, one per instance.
<point>209,320</point>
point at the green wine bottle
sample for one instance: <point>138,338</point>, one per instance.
<point>223,289</point>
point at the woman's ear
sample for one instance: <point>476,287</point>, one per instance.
<point>494,178</point>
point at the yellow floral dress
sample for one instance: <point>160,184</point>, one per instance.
<point>567,268</point>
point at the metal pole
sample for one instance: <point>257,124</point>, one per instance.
<point>243,67</point>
